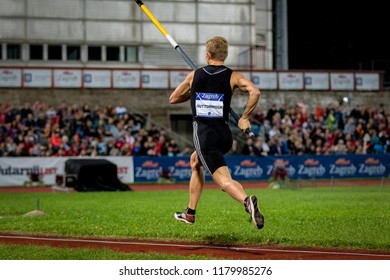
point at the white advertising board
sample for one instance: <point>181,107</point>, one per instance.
<point>126,78</point>
<point>97,78</point>
<point>155,79</point>
<point>367,81</point>
<point>41,78</point>
<point>67,78</point>
<point>16,171</point>
<point>290,80</point>
<point>265,80</point>
<point>342,81</point>
<point>10,77</point>
<point>316,81</point>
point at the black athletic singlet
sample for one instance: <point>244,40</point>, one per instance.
<point>211,96</point>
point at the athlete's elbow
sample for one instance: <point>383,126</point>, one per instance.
<point>255,93</point>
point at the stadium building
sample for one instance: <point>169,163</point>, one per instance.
<point>109,52</point>
<point>116,33</point>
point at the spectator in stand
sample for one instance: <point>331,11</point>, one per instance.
<point>249,147</point>
<point>274,132</point>
<point>111,129</point>
<point>351,143</point>
<point>29,121</point>
<point>41,121</point>
<point>134,127</point>
<point>154,131</point>
<point>359,131</point>
<point>340,148</point>
<point>120,109</point>
<point>63,110</point>
<point>173,148</point>
<point>374,146</point>
<point>161,148</point>
<point>55,140</point>
<point>331,121</point>
<point>260,148</point>
<point>287,124</point>
<point>278,147</point>
<point>266,128</point>
<point>301,113</point>
<point>294,143</point>
<point>350,126</point>
<point>340,115</point>
<point>88,129</point>
<point>319,113</point>
<point>26,145</point>
<point>186,152</point>
<point>25,110</point>
<point>356,112</point>
<point>86,111</point>
<point>271,112</point>
<point>150,146</point>
<point>135,151</point>
<point>384,139</point>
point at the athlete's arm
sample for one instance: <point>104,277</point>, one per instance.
<point>182,92</point>
<point>239,81</point>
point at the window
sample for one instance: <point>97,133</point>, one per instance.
<point>131,54</point>
<point>94,53</point>
<point>14,51</point>
<point>73,53</point>
<point>36,52</point>
<point>112,54</point>
<point>54,52</point>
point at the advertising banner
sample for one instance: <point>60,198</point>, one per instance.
<point>18,171</point>
<point>155,79</point>
<point>126,79</point>
<point>342,81</point>
<point>10,77</point>
<point>251,168</point>
<point>291,80</point>
<point>168,79</point>
<point>265,80</point>
<point>367,81</point>
<point>97,78</point>
<point>153,169</point>
<point>67,78</point>
<point>41,78</point>
<point>316,81</point>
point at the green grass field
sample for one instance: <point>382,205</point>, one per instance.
<point>342,217</point>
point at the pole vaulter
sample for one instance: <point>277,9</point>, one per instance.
<point>179,50</point>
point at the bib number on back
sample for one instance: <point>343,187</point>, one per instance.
<point>209,105</point>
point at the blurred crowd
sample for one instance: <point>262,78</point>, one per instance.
<point>334,129</point>
<point>79,130</point>
<point>40,130</point>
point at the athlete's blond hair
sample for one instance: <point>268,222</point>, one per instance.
<point>218,48</point>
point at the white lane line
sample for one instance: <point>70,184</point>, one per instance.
<point>189,246</point>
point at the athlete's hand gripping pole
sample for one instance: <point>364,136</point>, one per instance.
<point>179,50</point>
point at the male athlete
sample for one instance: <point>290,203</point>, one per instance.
<point>210,90</point>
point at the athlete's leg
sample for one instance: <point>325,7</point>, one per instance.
<point>224,180</point>
<point>196,181</point>
<point>195,190</point>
